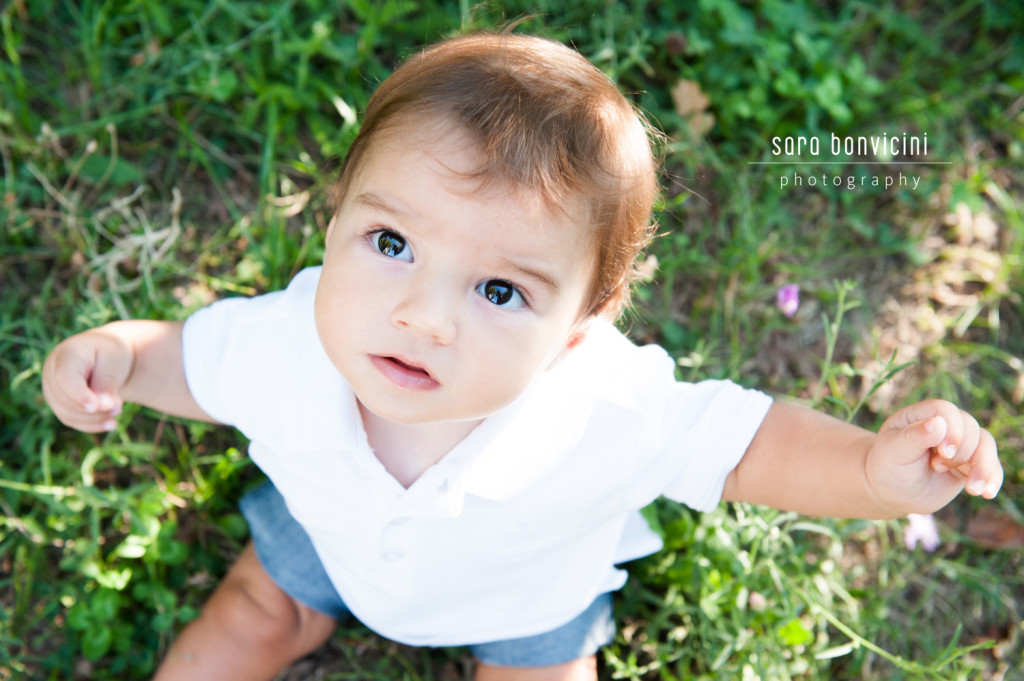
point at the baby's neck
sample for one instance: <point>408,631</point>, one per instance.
<point>407,450</point>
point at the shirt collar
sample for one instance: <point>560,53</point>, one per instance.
<point>512,449</point>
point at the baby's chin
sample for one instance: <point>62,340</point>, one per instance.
<point>387,411</point>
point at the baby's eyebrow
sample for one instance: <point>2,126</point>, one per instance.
<point>377,202</point>
<point>540,276</point>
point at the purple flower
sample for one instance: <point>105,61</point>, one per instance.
<point>921,528</point>
<point>787,299</point>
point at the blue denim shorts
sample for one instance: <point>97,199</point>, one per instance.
<point>287,554</point>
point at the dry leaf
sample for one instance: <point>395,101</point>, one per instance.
<point>702,122</point>
<point>688,98</point>
<point>691,103</point>
<point>995,530</point>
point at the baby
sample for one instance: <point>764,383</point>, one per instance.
<point>456,437</point>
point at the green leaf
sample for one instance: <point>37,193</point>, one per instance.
<point>233,525</point>
<point>79,617</point>
<point>96,641</point>
<point>794,633</point>
<point>829,92</point>
<point>788,84</point>
<point>172,552</point>
<point>158,13</point>
<point>133,546</point>
<point>837,651</point>
<point>650,514</point>
<point>162,621</point>
<point>100,168</point>
<point>103,605</point>
<point>114,579</point>
<point>221,85</point>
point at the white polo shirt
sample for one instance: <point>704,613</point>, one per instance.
<point>517,529</point>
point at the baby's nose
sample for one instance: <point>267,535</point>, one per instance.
<point>426,313</point>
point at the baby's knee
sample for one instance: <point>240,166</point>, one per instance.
<point>583,669</point>
<point>254,611</point>
<point>253,617</point>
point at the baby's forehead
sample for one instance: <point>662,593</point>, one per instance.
<point>462,163</point>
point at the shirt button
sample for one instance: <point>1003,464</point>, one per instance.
<point>392,556</point>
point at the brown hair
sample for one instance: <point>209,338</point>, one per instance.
<point>545,120</point>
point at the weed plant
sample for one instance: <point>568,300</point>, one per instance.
<point>159,155</point>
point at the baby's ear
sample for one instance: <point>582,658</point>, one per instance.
<point>578,336</point>
<point>575,338</point>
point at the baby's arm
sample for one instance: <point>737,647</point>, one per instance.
<point>922,457</point>
<point>88,377</point>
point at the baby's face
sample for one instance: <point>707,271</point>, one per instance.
<point>441,303</point>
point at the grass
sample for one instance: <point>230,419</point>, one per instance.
<point>156,156</point>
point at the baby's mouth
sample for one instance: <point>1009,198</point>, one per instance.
<point>404,373</point>
<point>408,365</point>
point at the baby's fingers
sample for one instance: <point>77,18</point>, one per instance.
<point>923,429</point>
<point>81,386</point>
<point>970,451</point>
<point>959,442</point>
<point>983,471</point>
<point>80,408</point>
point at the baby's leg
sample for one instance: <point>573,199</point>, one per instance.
<point>542,657</point>
<point>583,669</point>
<point>249,629</point>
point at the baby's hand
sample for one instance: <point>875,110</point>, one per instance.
<point>927,453</point>
<point>83,378</point>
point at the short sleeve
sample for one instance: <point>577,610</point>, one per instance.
<point>708,428</point>
<point>237,352</point>
<point>681,440</point>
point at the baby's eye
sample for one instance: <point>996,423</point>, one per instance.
<point>501,293</point>
<point>391,244</point>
